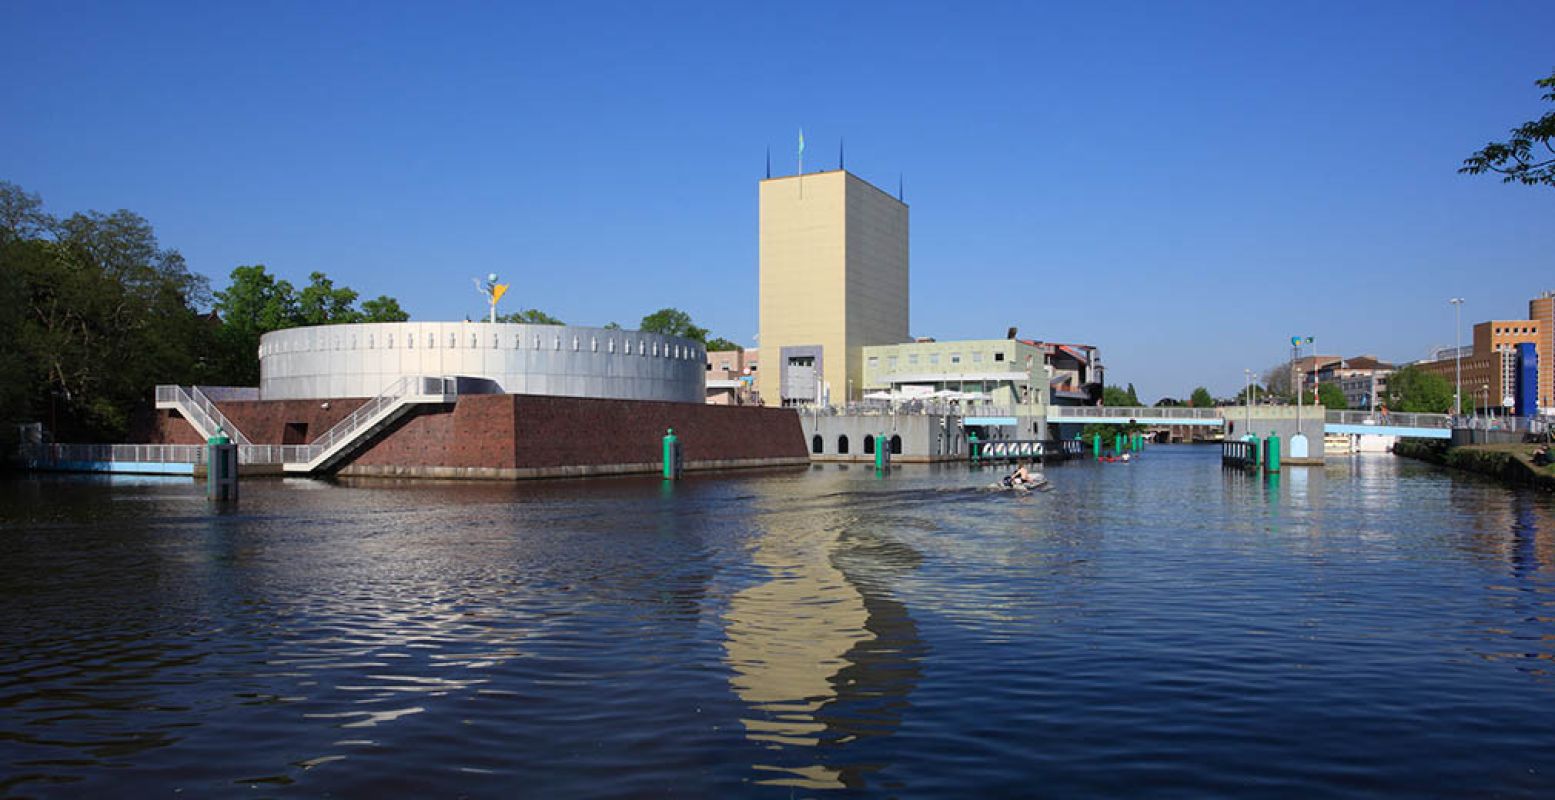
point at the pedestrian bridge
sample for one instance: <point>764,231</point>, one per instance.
<point>1429,426</point>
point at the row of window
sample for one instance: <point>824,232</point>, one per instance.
<point>818,445</point>
<point>322,342</point>
<point>1505,331</point>
<point>933,359</point>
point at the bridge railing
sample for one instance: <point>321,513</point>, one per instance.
<point>1511,424</point>
<point>1391,419</point>
<point>1165,414</point>
<point>1239,453</point>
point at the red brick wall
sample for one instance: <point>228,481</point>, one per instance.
<point>505,431</point>
<point>478,432</point>
<point>565,431</point>
<point>262,421</point>
<point>528,431</point>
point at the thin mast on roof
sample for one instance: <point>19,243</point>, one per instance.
<point>840,143</point>
<point>801,162</point>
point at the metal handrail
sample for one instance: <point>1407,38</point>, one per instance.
<point>1162,413</point>
<point>223,424</point>
<point>407,385</point>
<point>1395,419</point>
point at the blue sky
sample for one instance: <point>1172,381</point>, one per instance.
<point>1185,185</point>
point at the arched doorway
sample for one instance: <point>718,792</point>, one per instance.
<point>896,445</point>
<point>817,444</point>
<point>842,445</point>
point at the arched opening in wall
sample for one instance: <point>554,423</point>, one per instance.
<point>869,445</point>
<point>896,445</point>
<point>842,445</point>
<point>817,443</point>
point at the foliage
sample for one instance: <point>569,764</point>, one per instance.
<point>720,344</point>
<point>1201,398</point>
<point>612,326</point>
<point>1168,402</point>
<point>383,308</point>
<point>673,322</point>
<point>1113,396</point>
<point>1331,397</point>
<point>1415,390</point>
<point>1527,157</point>
<point>1258,393</point>
<point>1277,383</point>
<point>532,316</point>
<point>94,312</point>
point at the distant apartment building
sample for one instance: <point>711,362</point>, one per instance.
<point>1491,372</point>
<point>1362,379</point>
<point>731,377</point>
<point>1000,372</point>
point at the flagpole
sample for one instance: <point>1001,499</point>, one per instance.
<point>801,163</point>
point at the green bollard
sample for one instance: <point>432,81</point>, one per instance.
<point>971,441</point>
<point>672,462</point>
<point>1117,444</point>
<point>1096,445</point>
<point>882,452</point>
<point>221,467</point>
<point>1274,452</point>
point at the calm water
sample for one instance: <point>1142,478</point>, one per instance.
<point>1161,628</point>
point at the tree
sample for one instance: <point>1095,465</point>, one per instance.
<point>1168,402</point>
<point>720,344</point>
<point>532,316</point>
<point>1277,383</point>
<point>673,322</point>
<point>322,304</point>
<point>383,308</point>
<point>1257,393</point>
<point>21,214</point>
<point>1201,398</point>
<point>1113,396</point>
<point>1528,157</point>
<point>1331,397</point>
<point>1415,390</point>
<point>612,326</point>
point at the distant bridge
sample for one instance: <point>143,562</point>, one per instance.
<point>1429,426</point>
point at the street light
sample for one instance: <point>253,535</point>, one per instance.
<point>1248,400</point>
<point>1457,355</point>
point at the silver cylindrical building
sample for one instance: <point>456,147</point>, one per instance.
<point>361,360</point>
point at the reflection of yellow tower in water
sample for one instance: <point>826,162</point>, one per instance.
<point>787,640</point>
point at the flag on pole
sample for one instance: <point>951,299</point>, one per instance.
<point>801,142</point>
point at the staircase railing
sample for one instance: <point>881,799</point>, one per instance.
<point>204,403</point>
<point>369,412</point>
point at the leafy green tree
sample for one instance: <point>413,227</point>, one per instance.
<point>1527,157</point>
<point>1113,396</point>
<point>322,304</point>
<point>1331,397</point>
<point>1415,390</point>
<point>673,322</point>
<point>1201,398</point>
<point>533,316</point>
<point>612,326</point>
<point>1257,394</point>
<point>383,308</point>
<point>720,344</point>
<point>1168,402</point>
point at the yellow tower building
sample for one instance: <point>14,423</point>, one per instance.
<point>833,252</point>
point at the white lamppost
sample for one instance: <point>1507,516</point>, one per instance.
<point>1457,355</point>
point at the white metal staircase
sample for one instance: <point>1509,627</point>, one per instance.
<point>198,409</point>
<point>337,443</point>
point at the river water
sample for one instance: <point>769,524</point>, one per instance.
<point>1161,628</point>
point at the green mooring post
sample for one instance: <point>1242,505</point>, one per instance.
<point>672,459</point>
<point>1139,442</point>
<point>971,442</point>
<point>1117,444</point>
<point>1096,445</point>
<point>221,467</point>
<point>1257,444</point>
<point>1274,452</point>
<point>882,452</point>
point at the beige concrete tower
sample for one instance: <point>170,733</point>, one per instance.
<point>833,253</point>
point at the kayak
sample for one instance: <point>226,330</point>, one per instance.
<point>1040,484</point>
